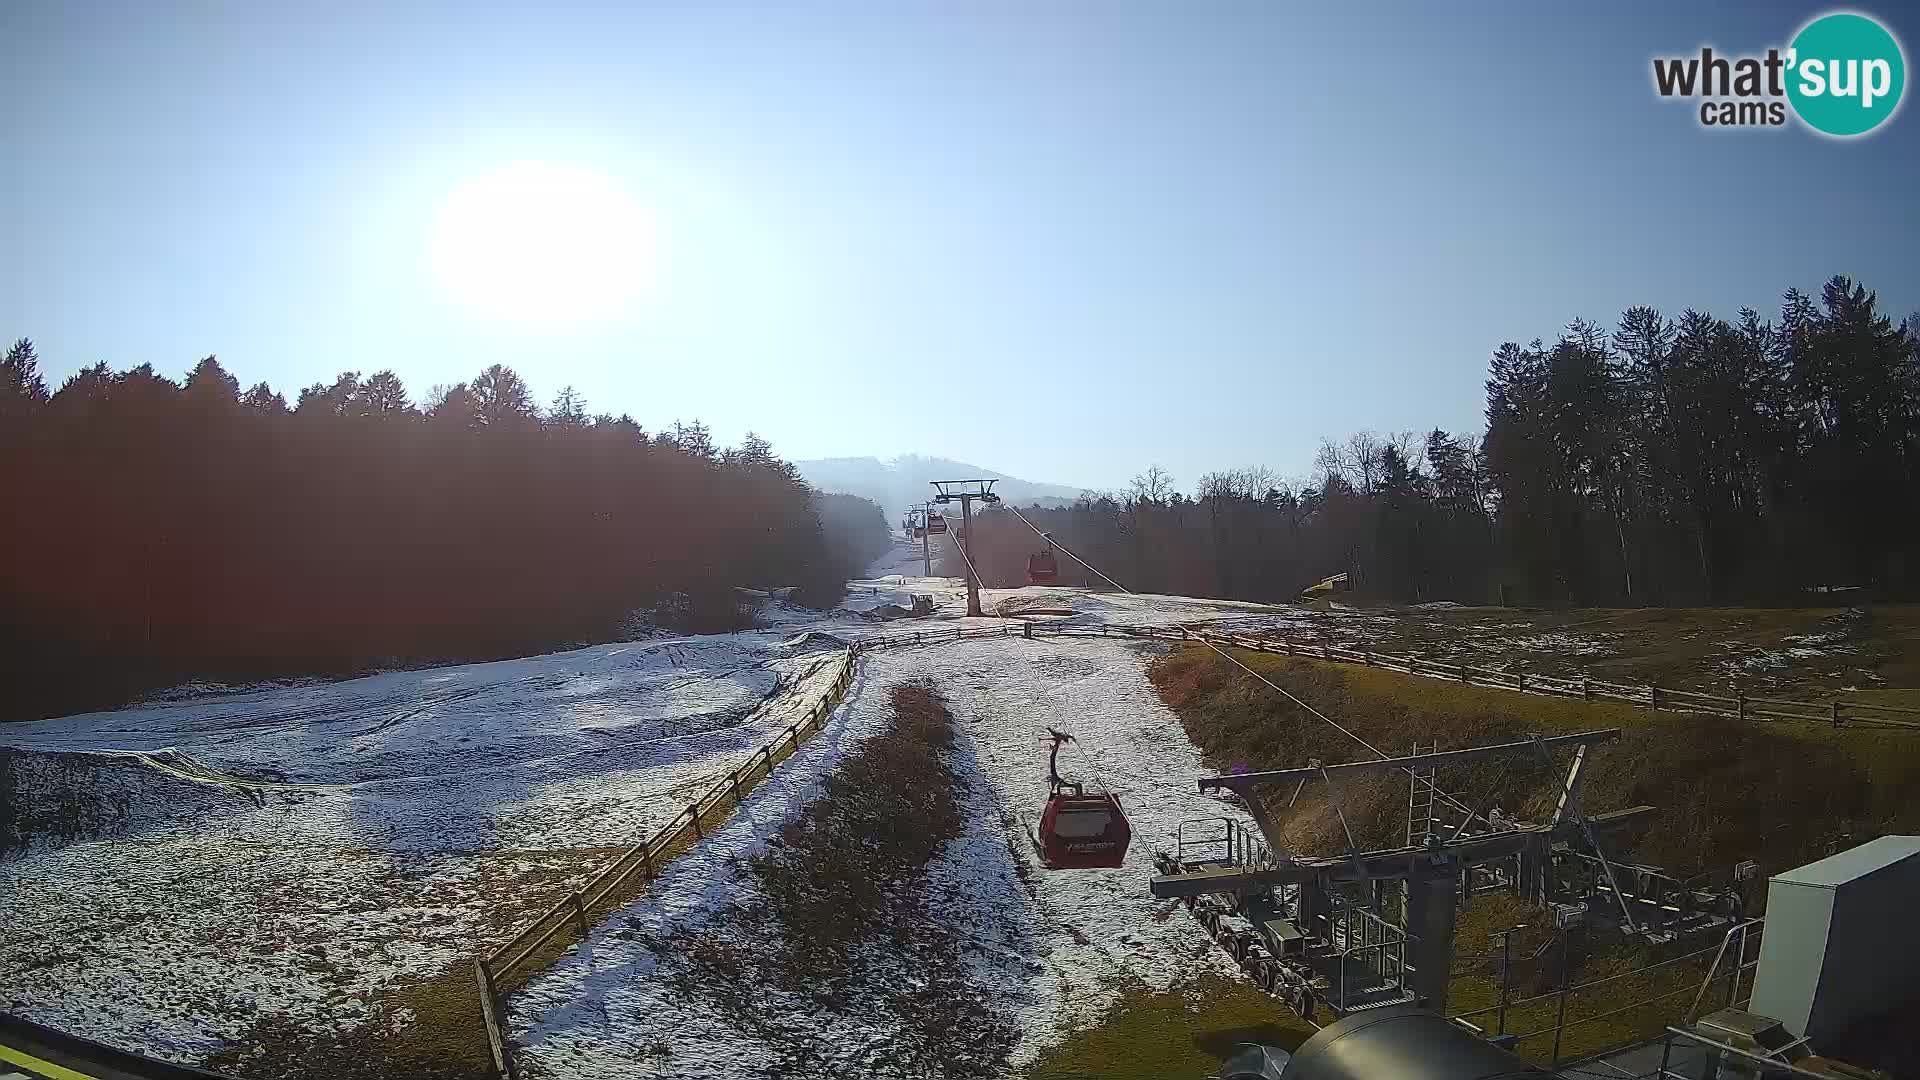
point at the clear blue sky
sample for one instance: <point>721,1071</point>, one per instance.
<point>1063,240</point>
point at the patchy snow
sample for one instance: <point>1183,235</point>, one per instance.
<point>217,854</point>
<point>200,863</point>
<point>1056,957</point>
<point>1563,644</point>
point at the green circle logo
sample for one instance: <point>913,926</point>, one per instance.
<point>1845,74</point>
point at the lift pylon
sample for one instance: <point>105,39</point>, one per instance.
<point>946,491</point>
<point>917,520</point>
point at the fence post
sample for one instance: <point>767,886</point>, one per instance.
<point>580,913</point>
<point>1463,671</point>
<point>1653,697</point>
<point>489,1016</point>
<point>1836,712</point>
<point>646,859</point>
<point>735,778</point>
<point>1288,645</point>
<point>1586,694</point>
<point>1740,704</point>
<point>1520,680</point>
<point>1366,657</point>
<point>1026,630</point>
<point>694,813</point>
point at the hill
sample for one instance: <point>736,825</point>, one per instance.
<point>903,481</point>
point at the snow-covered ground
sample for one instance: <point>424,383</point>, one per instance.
<point>200,863</point>
<point>1053,958</point>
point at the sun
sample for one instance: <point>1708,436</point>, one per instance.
<point>543,243</point>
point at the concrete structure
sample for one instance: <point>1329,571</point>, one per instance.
<point>1842,939</point>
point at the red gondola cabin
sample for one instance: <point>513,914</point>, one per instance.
<point>1083,832</point>
<point>1079,831</point>
<point>1042,568</point>
<point>936,524</point>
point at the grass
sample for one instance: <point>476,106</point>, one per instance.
<point>835,921</point>
<point>1682,648</point>
<point>1174,1033</point>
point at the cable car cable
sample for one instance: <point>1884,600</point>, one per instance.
<point>1276,688</point>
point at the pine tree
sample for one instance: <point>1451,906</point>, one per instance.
<point>22,390</point>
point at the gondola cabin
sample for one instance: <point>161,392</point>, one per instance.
<point>1042,568</point>
<point>1083,832</point>
<point>936,524</point>
<point>1079,831</point>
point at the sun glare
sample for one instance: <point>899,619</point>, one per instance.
<point>543,243</point>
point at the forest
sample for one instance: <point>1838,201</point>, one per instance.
<point>1663,462</point>
<point>160,532</point>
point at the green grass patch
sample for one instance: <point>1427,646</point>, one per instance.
<point>1185,1032</point>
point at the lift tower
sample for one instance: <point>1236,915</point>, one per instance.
<point>917,523</point>
<point>945,491</point>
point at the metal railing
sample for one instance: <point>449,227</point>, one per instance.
<point>1743,937</point>
<point>1690,1055</point>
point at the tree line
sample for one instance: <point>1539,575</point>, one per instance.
<point>161,531</point>
<point>1665,461</point>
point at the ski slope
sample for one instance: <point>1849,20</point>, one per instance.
<point>294,851</point>
<point>1054,958</point>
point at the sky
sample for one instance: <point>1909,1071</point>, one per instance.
<point>1063,240</point>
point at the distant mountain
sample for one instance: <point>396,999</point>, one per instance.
<point>905,481</point>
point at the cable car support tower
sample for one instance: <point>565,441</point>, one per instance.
<point>917,527</point>
<point>946,491</point>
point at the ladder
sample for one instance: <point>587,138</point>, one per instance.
<point>1420,799</point>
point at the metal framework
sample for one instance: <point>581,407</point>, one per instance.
<point>946,491</point>
<point>917,522</point>
<point>1377,925</point>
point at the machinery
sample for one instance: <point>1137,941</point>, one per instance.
<point>1365,929</point>
<point>1327,587</point>
<point>1765,1037</point>
<point>1395,1043</point>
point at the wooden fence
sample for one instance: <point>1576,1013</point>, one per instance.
<point>546,937</point>
<point>1837,713</point>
